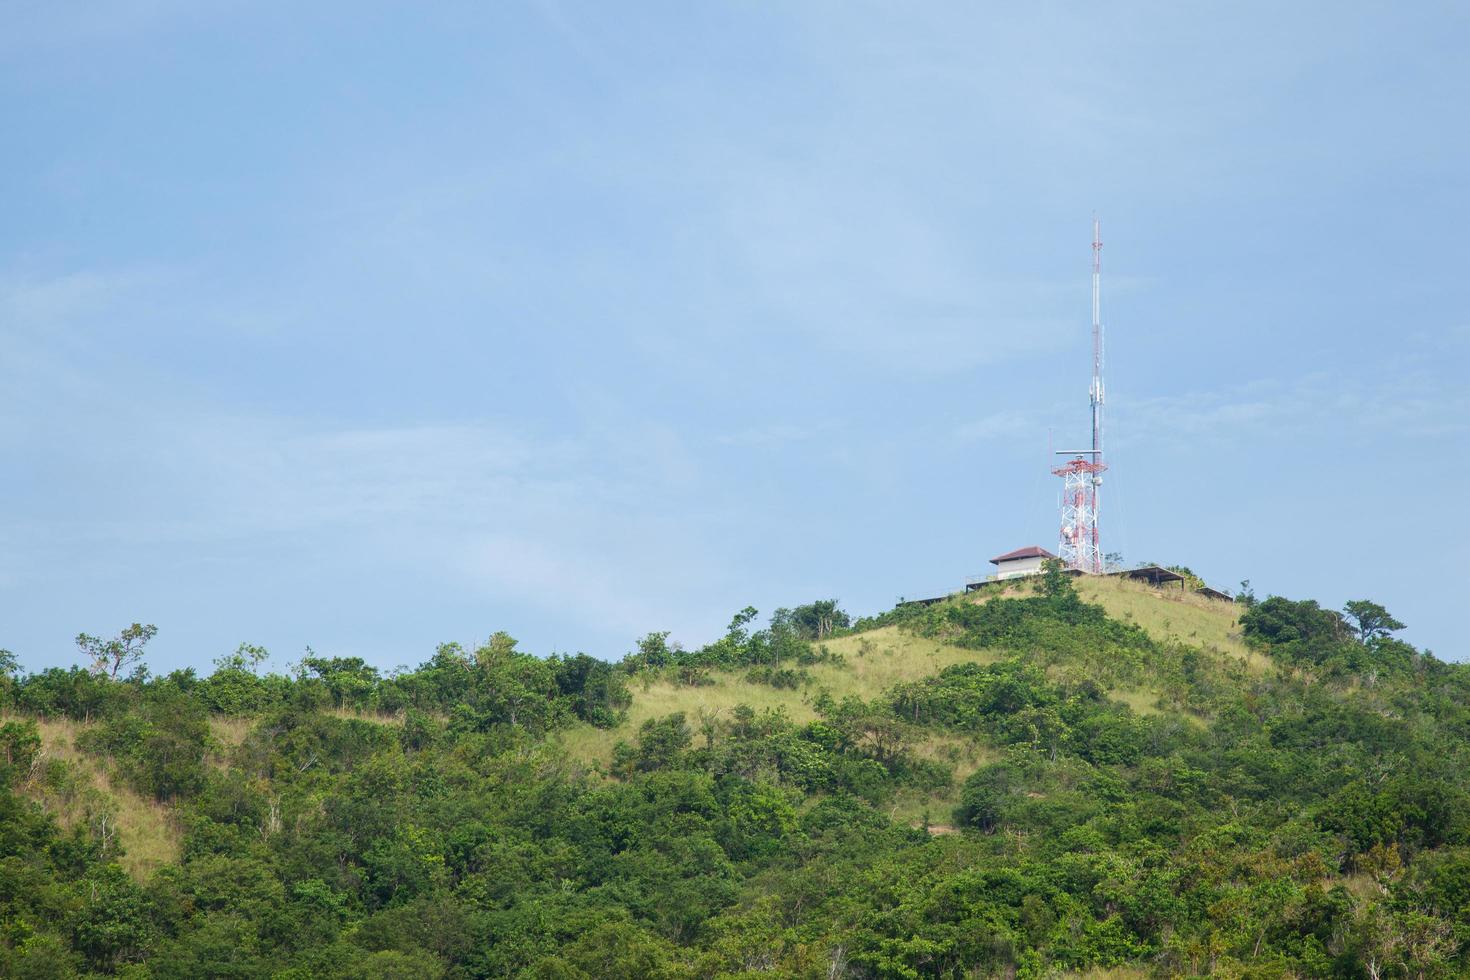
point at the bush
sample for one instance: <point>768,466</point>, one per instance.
<point>159,751</point>
<point>783,677</point>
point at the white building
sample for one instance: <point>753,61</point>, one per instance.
<point>1022,561</point>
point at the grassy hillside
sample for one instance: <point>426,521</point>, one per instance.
<point>84,793</point>
<point>1170,614</point>
<point>876,659</point>
<point>78,790</point>
<point>873,661</point>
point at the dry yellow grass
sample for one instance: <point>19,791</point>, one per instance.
<point>1168,614</point>
<point>1011,588</point>
<point>1163,613</point>
<point>1361,886</point>
<point>230,732</point>
<point>1143,701</point>
<point>963,756</point>
<point>376,717</point>
<point>874,662</point>
<point>661,697</point>
<point>880,658</point>
<point>145,829</point>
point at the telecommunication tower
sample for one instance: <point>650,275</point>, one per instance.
<point>1082,475</point>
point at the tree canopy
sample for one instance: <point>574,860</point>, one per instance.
<point>1299,813</point>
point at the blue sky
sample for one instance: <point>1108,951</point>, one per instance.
<point>372,326</point>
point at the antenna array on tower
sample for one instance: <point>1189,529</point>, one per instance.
<point>1082,476</point>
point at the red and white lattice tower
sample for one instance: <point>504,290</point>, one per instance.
<point>1082,475</point>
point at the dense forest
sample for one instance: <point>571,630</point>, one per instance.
<point>1124,799</point>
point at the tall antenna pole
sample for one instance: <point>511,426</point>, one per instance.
<point>1080,547</point>
<point>1097,390</point>
<point>1097,343</point>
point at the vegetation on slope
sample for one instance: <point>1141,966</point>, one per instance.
<point>1137,787</point>
<point>76,789</point>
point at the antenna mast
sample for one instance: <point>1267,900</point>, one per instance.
<point>1081,476</point>
<point>1097,345</point>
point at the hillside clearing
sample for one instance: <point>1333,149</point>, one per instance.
<point>1166,614</point>
<point>145,829</point>
<point>1163,613</point>
<point>872,663</point>
<point>964,755</point>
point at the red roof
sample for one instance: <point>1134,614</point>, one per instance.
<point>1031,552</point>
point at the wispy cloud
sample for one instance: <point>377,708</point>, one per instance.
<point>45,360</point>
<point>1007,423</point>
<point>581,521</point>
<point>41,302</point>
<point>570,525</point>
<point>866,270</point>
<point>1405,404</point>
<point>775,434</point>
<point>46,24</point>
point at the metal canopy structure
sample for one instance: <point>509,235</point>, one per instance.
<point>923,602</point>
<point>1155,575</point>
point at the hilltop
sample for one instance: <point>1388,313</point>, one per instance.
<point>867,663</point>
<point>1046,777</point>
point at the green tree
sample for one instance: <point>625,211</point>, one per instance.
<point>348,680</point>
<point>815,620</point>
<point>245,657</point>
<point>19,744</point>
<point>1054,581</point>
<point>1371,620</point>
<point>1300,631</point>
<point>9,668</point>
<point>392,964</point>
<point>986,798</point>
<point>614,950</point>
<point>1191,580</point>
<point>653,651</point>
<point>110,656</point>
<point>112,926</point>
<point>661,744</point>
<point>738,632</point>
<point>511,688</point>
<point>594,688</point>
